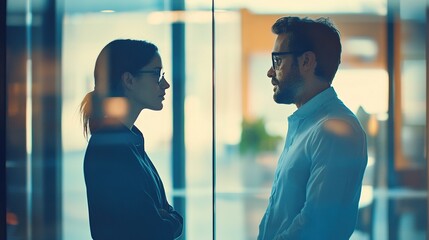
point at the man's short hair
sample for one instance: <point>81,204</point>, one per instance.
<point>319,36</point>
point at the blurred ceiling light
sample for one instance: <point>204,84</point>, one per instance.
<point>378,7</point>
<point>116,107</point>
<point>372,126</point>
<point>168,17</point>
<point>107,11</point>
<point>382,116</point>
<point>365,48</point>
<point>363,87</point>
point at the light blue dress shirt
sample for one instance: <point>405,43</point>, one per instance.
<point>318,180</point>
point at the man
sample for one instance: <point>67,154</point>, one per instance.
<point>318,179</point>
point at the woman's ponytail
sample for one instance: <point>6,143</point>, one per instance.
<point>86,113</point>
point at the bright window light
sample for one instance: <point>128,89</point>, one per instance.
<point>378,7</point>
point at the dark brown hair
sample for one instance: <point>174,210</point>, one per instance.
<point>319,36</point>
<point>116,58</point>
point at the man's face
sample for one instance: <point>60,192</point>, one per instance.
<point>285,75</point>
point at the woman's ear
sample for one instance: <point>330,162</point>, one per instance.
<point>127,80</point>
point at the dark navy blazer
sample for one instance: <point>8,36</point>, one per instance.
<point>126,197</point>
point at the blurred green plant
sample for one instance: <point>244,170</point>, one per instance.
<point>255,138</point>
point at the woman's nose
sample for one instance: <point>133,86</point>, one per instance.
<point>164,83</point>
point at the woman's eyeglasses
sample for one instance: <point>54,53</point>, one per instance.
<point>158,73</point>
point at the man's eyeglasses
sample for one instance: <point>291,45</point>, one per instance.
<point>277,60</point>
<point>158,73</point>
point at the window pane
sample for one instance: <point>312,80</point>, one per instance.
<point>86,31</point>
<point>84,35</point>
<point>247,115</point>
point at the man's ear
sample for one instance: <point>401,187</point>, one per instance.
<point>308,61</point>
<point>127,80</point>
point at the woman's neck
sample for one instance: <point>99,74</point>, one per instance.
<point>130,118</point>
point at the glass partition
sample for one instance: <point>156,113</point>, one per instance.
<point>251,129</point>
<point>217,141</point>
<point>408,214</point>
<point>178,138</point>
<point>84,35</point>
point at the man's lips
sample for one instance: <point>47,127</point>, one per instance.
<point>275,83</point>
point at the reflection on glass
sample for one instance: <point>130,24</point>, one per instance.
<point>242,57</point>
<point>362,82</point>
<point>84,34</point>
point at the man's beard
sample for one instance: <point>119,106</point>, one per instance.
<point>290,88</point>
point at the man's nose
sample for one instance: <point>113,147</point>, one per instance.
<point>271,73</point>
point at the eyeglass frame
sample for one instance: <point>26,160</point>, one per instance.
<point>275,54</point>
<point>159,72</point>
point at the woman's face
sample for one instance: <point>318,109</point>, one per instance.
<point>149,85</point>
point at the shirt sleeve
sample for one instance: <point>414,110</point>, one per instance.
<point>119,206</point>
<point>338,157</point>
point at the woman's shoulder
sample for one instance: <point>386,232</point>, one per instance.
<point>108,144</point>
<point>117,135</point>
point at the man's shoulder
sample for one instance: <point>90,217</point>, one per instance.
<point>338,124</point>
<point>336,113</point>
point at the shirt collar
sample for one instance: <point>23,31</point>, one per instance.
<point>121,134</point>
<point>314,103</point>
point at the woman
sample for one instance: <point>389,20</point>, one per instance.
<point>126,197</point>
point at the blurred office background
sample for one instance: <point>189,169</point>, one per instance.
<point>218,138</point>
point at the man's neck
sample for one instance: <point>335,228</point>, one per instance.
<point>311,91</point>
